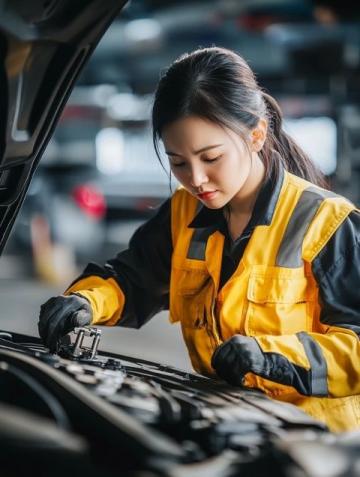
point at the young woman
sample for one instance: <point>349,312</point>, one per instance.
<point>258,262</point>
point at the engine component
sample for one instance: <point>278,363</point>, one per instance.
<point>80,343</point>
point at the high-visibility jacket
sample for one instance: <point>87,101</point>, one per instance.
<point>272,296</point>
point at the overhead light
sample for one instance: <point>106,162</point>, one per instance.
<point>142,31</point>
<point>109,144</point>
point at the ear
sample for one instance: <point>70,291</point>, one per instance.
<point>258,135</point>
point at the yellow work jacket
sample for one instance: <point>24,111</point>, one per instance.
<point>272,296</point>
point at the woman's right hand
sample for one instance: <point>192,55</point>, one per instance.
<point>60,315</point>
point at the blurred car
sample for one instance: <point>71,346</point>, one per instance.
<point>65,199</point>
<point>101,414</point>
<point>134,182</point>
<point>98,180</point>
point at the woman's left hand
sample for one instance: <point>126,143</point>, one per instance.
<point>236,357</point>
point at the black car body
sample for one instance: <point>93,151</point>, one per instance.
<point>79,411</point>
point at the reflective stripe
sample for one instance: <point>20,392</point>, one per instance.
<point>197,247</point>
<point>318,366</point>
<point>290,250</point>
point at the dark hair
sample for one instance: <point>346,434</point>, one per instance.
<point>218,85</point>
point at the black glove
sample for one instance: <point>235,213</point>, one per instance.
<point>236,357</point>
<point>60,315</point>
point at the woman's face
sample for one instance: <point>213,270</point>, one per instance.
<point>211,162</point>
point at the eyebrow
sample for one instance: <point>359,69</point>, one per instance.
<point>203,149</point>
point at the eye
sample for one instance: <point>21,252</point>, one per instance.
<point>177,164</point>
<point>212,159</point>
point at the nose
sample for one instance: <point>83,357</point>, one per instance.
<point>198,177</point>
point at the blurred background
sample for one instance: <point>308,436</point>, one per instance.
<point>99,178</point>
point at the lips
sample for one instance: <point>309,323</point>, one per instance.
<point>207,195</point>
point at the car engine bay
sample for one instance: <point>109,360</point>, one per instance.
<point>81,409</point>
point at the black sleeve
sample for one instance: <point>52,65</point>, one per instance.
<point>337,271</point>
<point>143,270</point>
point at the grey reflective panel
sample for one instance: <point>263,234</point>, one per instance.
<point>289,254</point>
<point>319,386</point>
<point>198,243</point>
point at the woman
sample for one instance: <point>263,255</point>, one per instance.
<point>259,264</point>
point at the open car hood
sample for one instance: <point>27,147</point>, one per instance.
<point>43,47</point>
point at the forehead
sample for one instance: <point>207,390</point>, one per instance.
<point>193,132</point>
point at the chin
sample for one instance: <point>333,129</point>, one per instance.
<point>212,204</point>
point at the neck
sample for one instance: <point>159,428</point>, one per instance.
<point>243,202</point>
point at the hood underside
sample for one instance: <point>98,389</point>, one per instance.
<point>44,45</point>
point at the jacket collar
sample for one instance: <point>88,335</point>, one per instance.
<point>263,209</point>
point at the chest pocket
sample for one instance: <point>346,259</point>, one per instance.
<point>277,302</point>
<point>194,296</point>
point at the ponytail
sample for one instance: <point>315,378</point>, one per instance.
<point>293,158</point>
